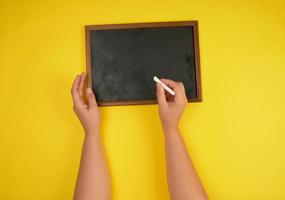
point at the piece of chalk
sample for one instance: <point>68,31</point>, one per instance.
<point>164,86</point>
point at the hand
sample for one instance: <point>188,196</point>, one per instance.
<point>87,113</point>
<point>171,107</point>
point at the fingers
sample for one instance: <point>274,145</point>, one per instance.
<point>77,94</point>
<point>183,97</point>
<point>170,83</point>
<point>160,95</point>
<point>91,98</point>
<point>169,96</point>
<point>179,89</point>
<point>74,89</point>
<point>81,84</point>
<point>77,99</point>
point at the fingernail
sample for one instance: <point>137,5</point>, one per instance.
<point>89,91</point>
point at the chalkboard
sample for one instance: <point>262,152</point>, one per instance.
<point>123,58</point>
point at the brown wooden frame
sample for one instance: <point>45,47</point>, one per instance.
<point>194,24</point>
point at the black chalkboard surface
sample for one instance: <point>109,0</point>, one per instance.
<point>123,58</point>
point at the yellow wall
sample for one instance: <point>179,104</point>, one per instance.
<point>236,136</point>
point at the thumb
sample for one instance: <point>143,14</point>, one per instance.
<point>91,98</point>
<point>160,95</point>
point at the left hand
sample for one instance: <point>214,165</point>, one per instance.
<point>87,113</point>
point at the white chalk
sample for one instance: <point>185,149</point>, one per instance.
<point>164,86</point>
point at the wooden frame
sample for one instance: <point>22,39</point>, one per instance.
<point>194,24</point>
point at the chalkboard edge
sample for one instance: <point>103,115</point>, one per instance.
<point>141,25</point>
<point>197,62</point>
<point>137,102</point>
<point>193,23</point>
<point>88,56</point>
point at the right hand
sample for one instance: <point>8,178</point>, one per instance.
<point>171,107</point>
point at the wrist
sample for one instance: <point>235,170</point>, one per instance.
<point>171,132</point>
<point>94,139</point>
<point>92,133</point>
<point>172,135</point>
<point>171,129</point>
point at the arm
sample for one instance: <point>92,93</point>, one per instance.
<point>93,181</point>
<point>183,181</point>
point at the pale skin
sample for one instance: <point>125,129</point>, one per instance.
<point>93,181</point>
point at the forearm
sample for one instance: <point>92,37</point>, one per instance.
<point>183,181</point>
<point>93,180</point>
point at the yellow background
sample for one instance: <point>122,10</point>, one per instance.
<point>236,136</point>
